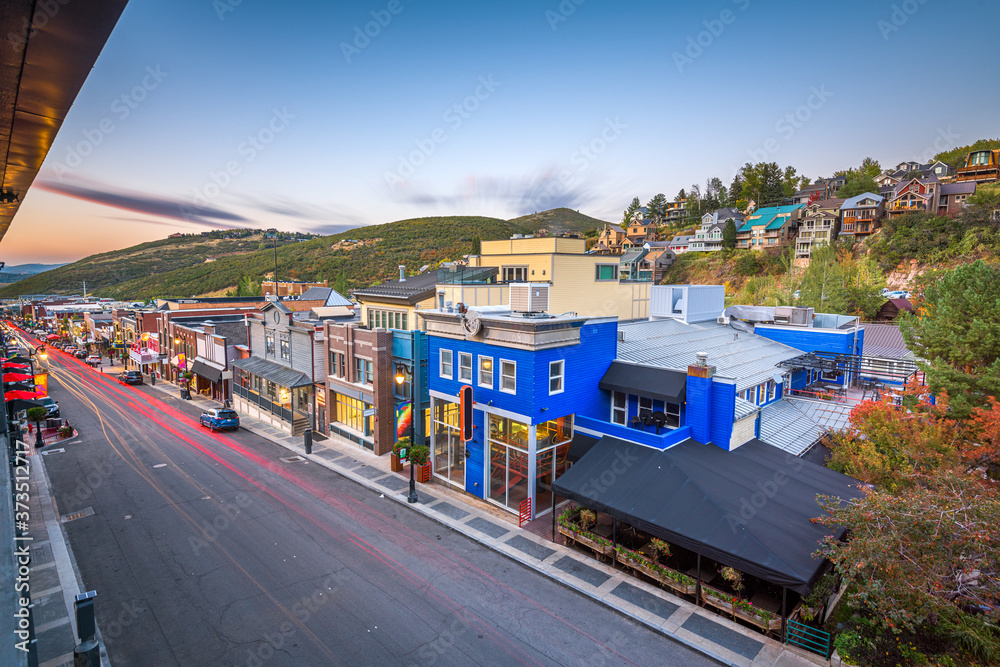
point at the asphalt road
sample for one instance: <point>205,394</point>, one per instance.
<point>207,549</point>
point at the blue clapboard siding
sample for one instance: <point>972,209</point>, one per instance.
<point>585,365</point>
<point>643,437</point>
<point>839,341</point>
<point>699,397</point>
<point>721,412</point>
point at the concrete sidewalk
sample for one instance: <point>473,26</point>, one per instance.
<point>685,622</point>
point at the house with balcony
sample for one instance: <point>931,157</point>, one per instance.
<point>861,215</point>
<point>980,167</point>
<point>913,196</point>
<point>611,238</point>
<point>821,188</point>
<point>769,227</point>
<point>818,226</point>
<point>708,238</point>
<point>952,197</point>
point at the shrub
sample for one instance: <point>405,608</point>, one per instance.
<point>747,263</point>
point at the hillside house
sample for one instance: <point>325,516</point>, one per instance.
<point>953,196</point>
<point>914,195</point>
<point>819,225</point>
<point>861,215</point>
<point>769,227</point>
<point>980,167</point>
<point>708,238</point>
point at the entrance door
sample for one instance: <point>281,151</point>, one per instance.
<point>449,450</point>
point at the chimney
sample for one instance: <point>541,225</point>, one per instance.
<point>699,398</point>
<point>402,273</point>
<point>702,359</point>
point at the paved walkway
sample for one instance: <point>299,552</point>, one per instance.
<point>717,637</point>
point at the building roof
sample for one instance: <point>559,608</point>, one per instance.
<point>744,408</point>
<point>747,357</point>
<point>680,240</point>
<point>963,188</point>
<point>695,496</point>
<point>794,425</point>
<point>327,295</point>
<point>885,341</point>
<point>643,380</point>
<point>771,217</point>
<point>828,203</point>
<point>281,375</point>
<point>411,290</point>
<point>854,201</point>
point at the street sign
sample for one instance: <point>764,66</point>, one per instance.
<point>370,412</point>
<point>465,412</point>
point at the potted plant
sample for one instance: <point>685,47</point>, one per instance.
<point>660,549</point>
<point>420,456</point>
<point>588,518</point>
<point>395,463</point>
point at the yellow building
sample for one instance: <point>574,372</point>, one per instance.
<point>590,285</point>
<point>394,304</point>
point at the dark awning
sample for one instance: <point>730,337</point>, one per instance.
<point>580,445</point>
<point>661,383</point>
<point>280,375</point>
<point>750,508</point>
<point>208,372</point>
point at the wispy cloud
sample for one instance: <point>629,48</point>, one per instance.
<point>163,207</point>
<point>550,189</point>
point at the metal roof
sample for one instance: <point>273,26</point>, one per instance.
<point>411,290</point>
<point>794,425</point>
<point>744,408</point>
<point>885,341</point>
<point>748,358</point>
<point>281,375</point>
<point>854,201</point>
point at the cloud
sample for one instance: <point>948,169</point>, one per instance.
<point>553,188</point>
<point>175,209</point>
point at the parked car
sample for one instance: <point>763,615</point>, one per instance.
<point>50,405</point>
<point>130,377</point>
<point>80,354</point>
<point>69,350</point>
<point>221,419</point>
<point>93,360</point>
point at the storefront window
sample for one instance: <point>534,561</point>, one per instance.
<point>508,475</point>
<point>350,413</point>
<point>554,432</point>
<point>509,431</point>
<point>449,450</point>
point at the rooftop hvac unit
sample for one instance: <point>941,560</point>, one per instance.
<point>722,319</point>
<point>797,316</point>
<point>529,297</point>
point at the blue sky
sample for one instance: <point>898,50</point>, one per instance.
<point>314,116</point>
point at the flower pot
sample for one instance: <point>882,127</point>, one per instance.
<point>395,465</point>
<point>423,473</point>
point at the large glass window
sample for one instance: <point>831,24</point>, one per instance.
<point>605,272</point>
<point>486,372</point>
<point>554,432</point>
<point>514,273</point>
<point>359,370</point>
<point>350,413</point>
<point>508,462</point>
<point>619,407</point>
<point>447,364</point>
<point>556,369</point>
<point>369,372</point>
<point>464,367</point>
<point>508,376</point>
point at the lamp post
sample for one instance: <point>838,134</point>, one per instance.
<point>400,378</point>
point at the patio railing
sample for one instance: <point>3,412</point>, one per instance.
<point>809,638</point>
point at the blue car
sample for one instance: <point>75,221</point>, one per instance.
<point>222,419</point>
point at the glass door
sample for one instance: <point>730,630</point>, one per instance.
<point>449,450</point>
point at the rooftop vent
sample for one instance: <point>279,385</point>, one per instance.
<point>529,297</point>
<point>702,358</point>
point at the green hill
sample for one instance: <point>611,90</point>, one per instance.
<point>558,220</point>
<point>178,267</point>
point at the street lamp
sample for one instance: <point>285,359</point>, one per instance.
<point>400,378</point>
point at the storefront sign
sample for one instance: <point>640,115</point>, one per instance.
<point>42,383</point>
<point>143,356</point>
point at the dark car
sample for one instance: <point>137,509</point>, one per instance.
<point>222,419</point>
<point>130,377</point>
<point>80,354</point>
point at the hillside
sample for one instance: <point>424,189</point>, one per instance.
<point>177,267</point>
<point>558,220</point>
<point>105,271</point>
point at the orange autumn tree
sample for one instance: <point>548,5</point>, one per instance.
<point>886,444</point>
<point>983,451</point>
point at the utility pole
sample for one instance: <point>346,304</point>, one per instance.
<point>275,237</point>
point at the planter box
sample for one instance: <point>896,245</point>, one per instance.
<point>395,465</point>
<point>583,540</point>
<point>423,473</point>
<point>772,623</point>
<point>644,566</point>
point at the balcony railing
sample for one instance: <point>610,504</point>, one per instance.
<point>261,402</point>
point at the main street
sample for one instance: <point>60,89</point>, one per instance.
<point>207,549</point>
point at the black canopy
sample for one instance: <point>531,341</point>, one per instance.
<point>749,508</point>
<point>661,383</point>
<point>208,372</point>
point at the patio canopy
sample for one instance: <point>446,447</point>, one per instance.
<point>749,508</point>
<point>660,383</point>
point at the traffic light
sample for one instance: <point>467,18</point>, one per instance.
<point>465,412</point>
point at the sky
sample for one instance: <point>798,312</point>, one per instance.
<point>321,116</point>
